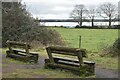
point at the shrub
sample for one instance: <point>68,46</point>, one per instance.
<point>43,36</point>
<point>111,51</point>
<point>77,26</point>
<point>18,25</point>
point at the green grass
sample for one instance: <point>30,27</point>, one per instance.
<point>92,39</point>
<point>42,73</point>
<point>9,60</point>
<point>104,62</point>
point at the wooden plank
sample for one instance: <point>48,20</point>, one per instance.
<point>23,51</point>
<point>64,53</point>
<point>26,49</point>
<point>18,50</point>
<point>75,61</point>
<point>50,55</point>
<point>17,44</point>
<point>68,63</point>
<point>67,49</point>
<point>80,59</point>
<point>88,62</point>
<point>9,47</point>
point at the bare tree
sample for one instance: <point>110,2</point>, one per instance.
<point>78,13</point>
<point>107,10</point>
<point>92,14</point>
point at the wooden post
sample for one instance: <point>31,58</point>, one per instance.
<point>80,58</point>
<point>80,41</point>
<point>9,46</point>
<point>26,48</point>
<point>50,54</point>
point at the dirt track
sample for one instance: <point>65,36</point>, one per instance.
<point>100,73</point>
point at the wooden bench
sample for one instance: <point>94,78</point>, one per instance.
<point>20,51</point>
<point>78,66</point>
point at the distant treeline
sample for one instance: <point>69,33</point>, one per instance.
<point>88,27</point>
<point>100,27</point>
<point>72,20</point>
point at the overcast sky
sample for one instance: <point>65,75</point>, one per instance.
<point>59,9</point>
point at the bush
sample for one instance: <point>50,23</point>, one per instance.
<point>43,36</point>
<point>111,51</point>
<point>77,26</point>
<point>18,25</point>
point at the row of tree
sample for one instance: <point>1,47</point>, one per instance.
<point>106,10</point>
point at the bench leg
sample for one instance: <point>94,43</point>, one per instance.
<point>90,69</point>
<point>34,58</point>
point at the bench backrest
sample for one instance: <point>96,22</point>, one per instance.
<point>13,44</point>
<point>80,53</point>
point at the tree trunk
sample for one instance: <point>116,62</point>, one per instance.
<point>109,22</point>
<point>92,22</point>
<point>80,22</point>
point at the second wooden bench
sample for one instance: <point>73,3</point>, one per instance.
<point>80,66</point>
<point>20,51</point>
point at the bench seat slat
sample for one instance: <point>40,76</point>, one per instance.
<point>18,50</point>
<point>75,61</point>
<point>68,63</point>
<point>23,51</point>
<point>64,53</point>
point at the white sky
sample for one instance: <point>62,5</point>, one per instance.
<point>59,9</point>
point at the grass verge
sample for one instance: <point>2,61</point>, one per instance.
<point>42,73</point>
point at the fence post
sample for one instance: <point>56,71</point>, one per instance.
<point>80,41</point>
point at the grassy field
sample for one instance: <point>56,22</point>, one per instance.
<point>92,39</point>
